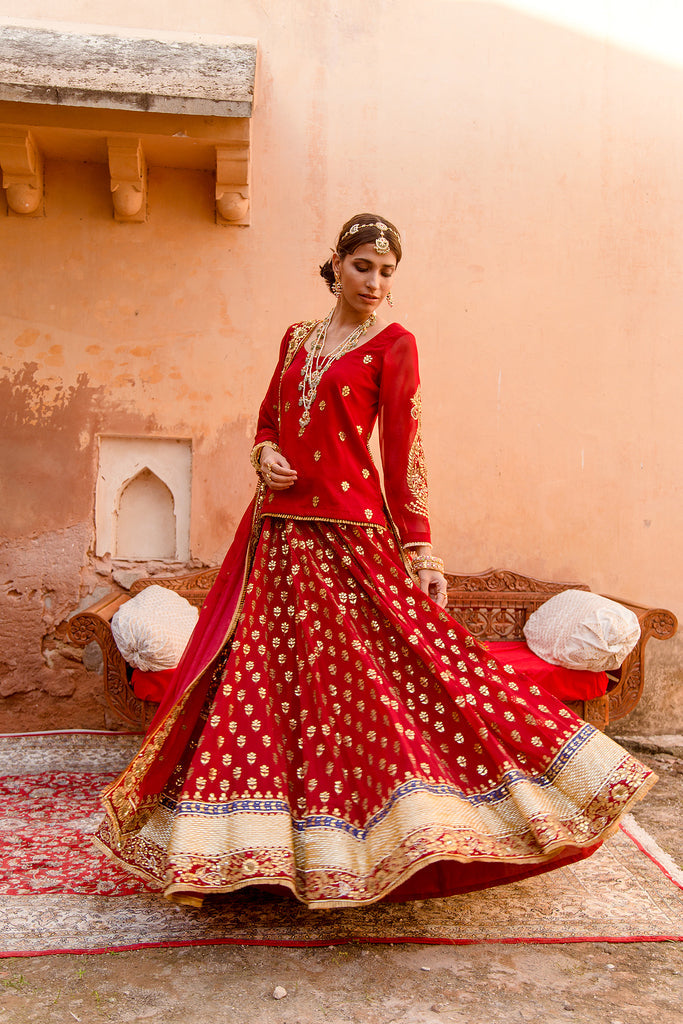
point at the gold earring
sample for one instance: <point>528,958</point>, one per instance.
<point>336,287</point>
<point>390,299</point>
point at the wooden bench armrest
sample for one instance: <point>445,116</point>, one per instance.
<point>94,624</point>
<point>626,682</point>
<point>103,609</point>
<point>654,622</point>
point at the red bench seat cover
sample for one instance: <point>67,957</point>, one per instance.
<point>564,683</point>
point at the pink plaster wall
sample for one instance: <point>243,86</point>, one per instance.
<point>535,174</point>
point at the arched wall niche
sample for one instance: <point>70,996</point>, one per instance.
<point>143,497</point>
<point>145,519</point>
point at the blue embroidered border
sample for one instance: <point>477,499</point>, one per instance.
<point>501,792</point>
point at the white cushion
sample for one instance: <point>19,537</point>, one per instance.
<point>152,629</point>
<point>581,630</point>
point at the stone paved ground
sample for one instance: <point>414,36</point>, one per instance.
<point>586,983</point>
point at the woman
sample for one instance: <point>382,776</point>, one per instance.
<point>332,731</point>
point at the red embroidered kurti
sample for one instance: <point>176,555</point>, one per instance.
<point>337,479</point>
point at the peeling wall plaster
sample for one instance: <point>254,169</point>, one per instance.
<point>34,600</point>
<point>48,450</point>
<point>48,570</point>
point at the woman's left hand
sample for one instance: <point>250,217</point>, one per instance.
<point>433,583</point>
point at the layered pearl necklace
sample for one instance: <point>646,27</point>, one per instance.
<point>315,365</point>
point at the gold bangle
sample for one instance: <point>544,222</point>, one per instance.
<point>255,455</point>
<point>427,562</point>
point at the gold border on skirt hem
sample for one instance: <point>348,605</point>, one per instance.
<point>550,854</point>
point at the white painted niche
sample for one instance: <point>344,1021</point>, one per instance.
<point>142,503</point>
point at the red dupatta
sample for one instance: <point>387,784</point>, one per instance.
<point>137,790</point>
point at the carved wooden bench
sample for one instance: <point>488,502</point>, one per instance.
<point>492,605</point>
<point>495,605</point>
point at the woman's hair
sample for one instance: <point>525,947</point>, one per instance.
<point>361,229</point>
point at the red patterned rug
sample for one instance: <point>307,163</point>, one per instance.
<point>61,895</point>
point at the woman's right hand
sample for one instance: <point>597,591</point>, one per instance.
<point>276,470</point>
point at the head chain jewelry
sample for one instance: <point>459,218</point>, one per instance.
<point>381,243</point>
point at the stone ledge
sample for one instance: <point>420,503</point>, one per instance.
<point>86,66</point>
<point>668,744</point>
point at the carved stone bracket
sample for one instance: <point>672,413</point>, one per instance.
<point>22,172</point>
<point>89,94</point>
<point>129,143</point>
<point>232,181</point>
<point>128,172</point>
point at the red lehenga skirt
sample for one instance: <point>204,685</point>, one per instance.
<point>354,743</point>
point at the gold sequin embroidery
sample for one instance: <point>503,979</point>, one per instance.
<point>416,475</point>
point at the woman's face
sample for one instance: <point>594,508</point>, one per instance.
<point>365,277</point>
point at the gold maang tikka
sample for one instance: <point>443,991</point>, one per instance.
<point>381,242</point>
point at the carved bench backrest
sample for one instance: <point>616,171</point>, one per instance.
<point>194,587</point>
<point>494,605</point>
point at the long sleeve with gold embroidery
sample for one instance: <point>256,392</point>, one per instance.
<point>268,426</point>
<point>400,438</point>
